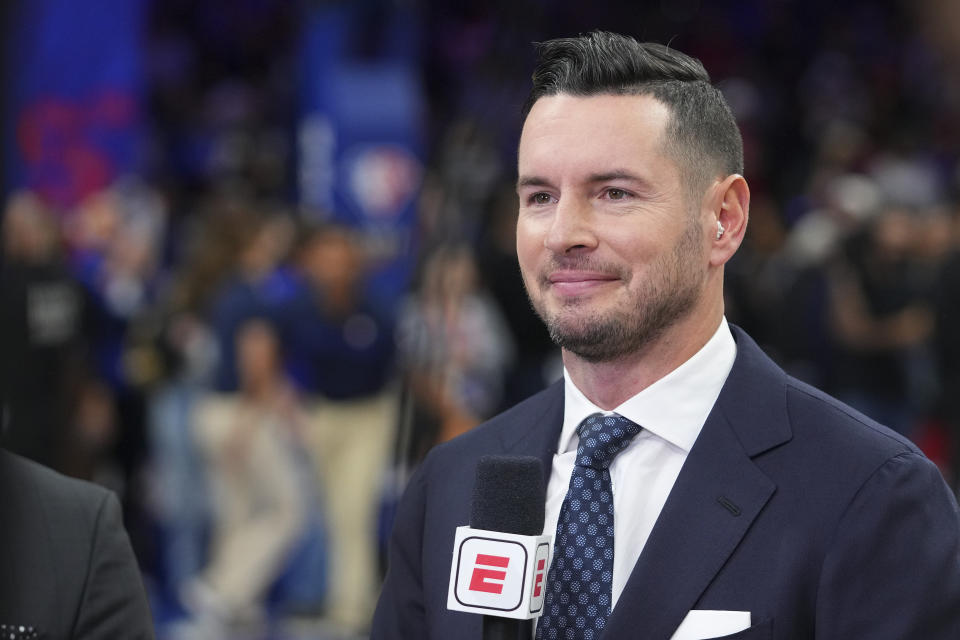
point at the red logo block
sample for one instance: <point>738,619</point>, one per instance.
<point>541,559</point>
<point>538,580</point>
<point>482,573</point>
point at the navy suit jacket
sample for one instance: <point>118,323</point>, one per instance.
<point>820,522</point>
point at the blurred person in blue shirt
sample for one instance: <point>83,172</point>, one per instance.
<point>339,343</point>
<point>339,339</point>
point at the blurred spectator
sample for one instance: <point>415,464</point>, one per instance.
<point>176,481</point>
<point>256,287</point>
<point>340,346</point>
<point>41,310</point>
<point>177,339</point>
<point>339,339</point>
<point>880,317</point>
<point>456,347</point>
<point>93,430</point>
<point>250,440</point>
<point>848,201</point>
<point>469,167</point>
<point>115,237</point>
<point>843,203</point>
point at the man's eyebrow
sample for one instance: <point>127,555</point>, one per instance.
<point>532,181</point>
<point>617,174</point>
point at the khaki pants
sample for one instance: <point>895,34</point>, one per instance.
<point>260,506</point>
<point>350,442</point>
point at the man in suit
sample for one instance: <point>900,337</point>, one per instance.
<point>67,571</point>
<point>747,505</point>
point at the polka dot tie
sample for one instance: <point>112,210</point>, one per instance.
<point>578,595</point>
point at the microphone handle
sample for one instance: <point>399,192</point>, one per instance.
<point>495,628</point>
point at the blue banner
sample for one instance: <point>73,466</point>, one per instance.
<point>74,84</point>
<point>360,134</point>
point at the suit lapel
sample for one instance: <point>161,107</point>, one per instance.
<point>539,436</point>
<point>712,505</point>
<point>717,496</point>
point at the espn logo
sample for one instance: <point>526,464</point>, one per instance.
<point>498,573</point>
<point>539,577</point>
<point>482,573</point>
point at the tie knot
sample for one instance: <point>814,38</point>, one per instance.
<point>602,438</point>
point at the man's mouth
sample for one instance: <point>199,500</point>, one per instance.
<point>573,283</point>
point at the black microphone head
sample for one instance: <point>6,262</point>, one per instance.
<point>509,495</point>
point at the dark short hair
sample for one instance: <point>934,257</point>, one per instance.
<point>702,135</point>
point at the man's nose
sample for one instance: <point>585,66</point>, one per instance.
<point>572,227</point>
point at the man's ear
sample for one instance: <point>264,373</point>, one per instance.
<point>730,208</point>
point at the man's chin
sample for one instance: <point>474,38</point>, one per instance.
<point>588,340</point>
<point>593,352</point>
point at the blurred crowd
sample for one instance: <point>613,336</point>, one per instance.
<point>192,339</point>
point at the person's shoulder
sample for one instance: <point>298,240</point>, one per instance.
<point>768,395</point>
<point>810,408</point>
<point>27,482</point>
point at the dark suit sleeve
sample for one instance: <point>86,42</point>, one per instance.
<point>400,611</point>
<point>114,604</point>
<point>893,570</point>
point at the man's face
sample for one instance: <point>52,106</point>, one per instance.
<point>611,251</point>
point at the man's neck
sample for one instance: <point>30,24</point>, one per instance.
<point>610,383</point>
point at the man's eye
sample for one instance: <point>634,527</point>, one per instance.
<point>540,198</point>
<point>616,194</point>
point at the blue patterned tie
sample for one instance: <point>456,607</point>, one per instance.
<point>578,595</point>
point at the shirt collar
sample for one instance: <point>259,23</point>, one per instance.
<point>674,407</point>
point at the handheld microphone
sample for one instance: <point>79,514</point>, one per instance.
<point>500,561</point>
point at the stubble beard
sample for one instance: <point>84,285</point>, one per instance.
<point>669,294</point>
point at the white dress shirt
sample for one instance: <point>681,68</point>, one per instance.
<point>671,411</point>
